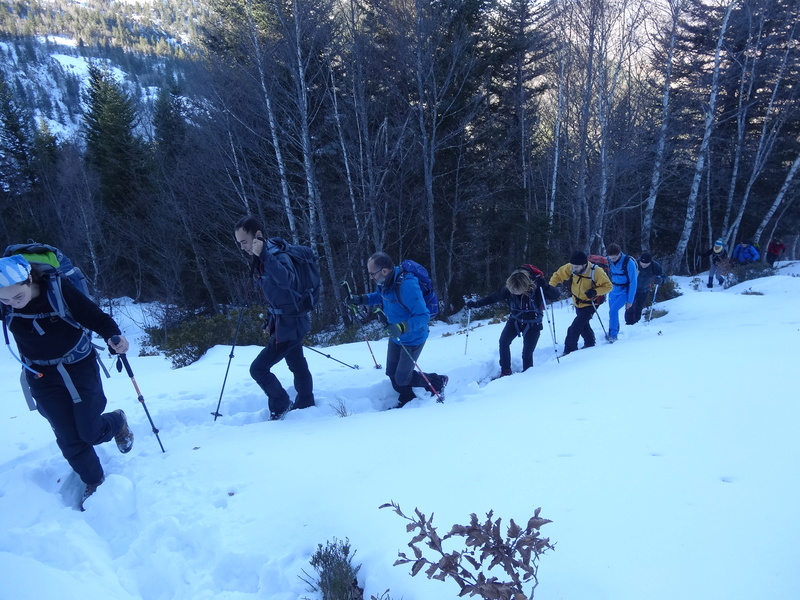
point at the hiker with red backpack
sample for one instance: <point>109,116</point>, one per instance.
<point>774,250</point>
<point>60,361</point>
<point>406,314</point>
<point>623,274</point>
<point>523,292</point>
<point>588,283</point>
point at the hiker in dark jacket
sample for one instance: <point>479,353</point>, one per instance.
<point>745,252</point>
<point>60,364</point>
<point>650,274</point>
<point>274,273</point>
<point>523,295</point>
<point>774,251</point>
<point>407,318</point>
<point>718,254</point>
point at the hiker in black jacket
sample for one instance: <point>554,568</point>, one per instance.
<point>523,292</point>
<point>275,274</point>
<point>61,365</point>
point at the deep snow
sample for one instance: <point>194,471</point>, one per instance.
<point>668,463</point>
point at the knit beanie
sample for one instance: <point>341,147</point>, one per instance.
<point>13,269</point>
<point>578,258</point>
<point>646,257</point>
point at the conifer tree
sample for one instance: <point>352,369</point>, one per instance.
<point>112,146</point>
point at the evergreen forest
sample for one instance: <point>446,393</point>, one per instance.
<point>469,135</point>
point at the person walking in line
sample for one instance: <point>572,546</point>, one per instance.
<point>288,321</point>
<point>650,273</point>
<point>623,274</point>
<point>718,254</point>
<point>403,304</point>
<point>522,292</point>
<point>774,250</point>
<point>745,252</point>
<point>586,284</point>
<point>60,361</point>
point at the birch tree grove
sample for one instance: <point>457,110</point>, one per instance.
<point>470,135</point>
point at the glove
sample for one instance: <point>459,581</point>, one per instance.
<point>395,330</point>
<point>357,299</point>
<point>658,280</point>
<point>540,282</point>
<point>471,304</point>
<point>590,294</point>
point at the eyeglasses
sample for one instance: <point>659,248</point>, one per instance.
<point>373,275</point>
<point>577,268</point>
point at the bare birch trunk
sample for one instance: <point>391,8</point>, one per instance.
<point>691,204</point>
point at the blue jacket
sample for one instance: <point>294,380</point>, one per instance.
<point>745,254</point>
<point>624,279</point>
<point>409,307</point>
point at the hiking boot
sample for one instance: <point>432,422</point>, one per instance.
<point>124,437</point>
<point>611,339</point>
<point>709,285</point>
<point>91,488</point>
<point>506,372</point>
<point>279,415</point>
<point>443,379</point>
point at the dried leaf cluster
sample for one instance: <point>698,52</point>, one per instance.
<point>485,548</point>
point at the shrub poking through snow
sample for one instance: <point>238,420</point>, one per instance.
<point>336,575</point>
<point>517,554</point>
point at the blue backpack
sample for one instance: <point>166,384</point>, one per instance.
<point>56,265</point>
<point>425,285</point>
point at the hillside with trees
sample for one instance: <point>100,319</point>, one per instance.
<point>469,135</point>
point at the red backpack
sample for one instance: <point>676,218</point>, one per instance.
<point>596,260</point>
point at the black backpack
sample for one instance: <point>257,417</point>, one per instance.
<point>305,294</point>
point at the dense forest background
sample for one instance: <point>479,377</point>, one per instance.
<point>470,135</point>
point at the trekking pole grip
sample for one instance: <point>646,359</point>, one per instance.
<point>122,357</point>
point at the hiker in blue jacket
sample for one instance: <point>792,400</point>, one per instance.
<point>274,274</point>
<point>61,365</point>
<point>522,292</point>
<point>407,319</point>
<point>624,275</point>
<point>745,252</point>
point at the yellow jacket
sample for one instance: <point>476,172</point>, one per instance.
<point>581,283</point>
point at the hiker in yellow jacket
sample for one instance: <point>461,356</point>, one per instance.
<point>588,282</point>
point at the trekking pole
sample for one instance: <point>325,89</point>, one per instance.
<point>216,413</point>
<point>355,315</point>
<point>552,329</point>
<point>122,360</point>
<point>336,359</point>
<point>652,305</point>
<point>599,319</point>
<point>385,321</point>
<point>469,318</point>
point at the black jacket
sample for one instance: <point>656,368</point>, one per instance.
<point>59,337</point>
